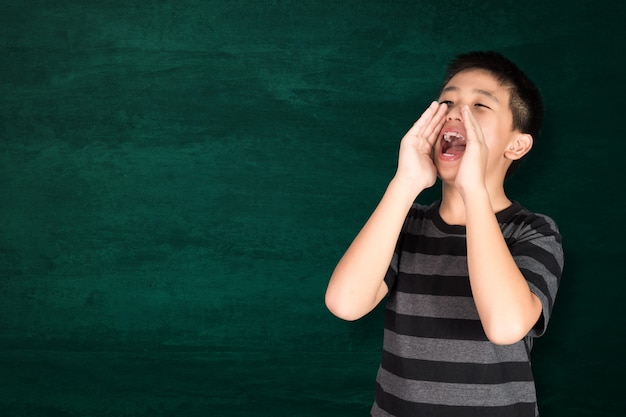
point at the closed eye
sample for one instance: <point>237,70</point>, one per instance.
<point>449,103</point>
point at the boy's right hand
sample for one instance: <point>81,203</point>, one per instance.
<point>358,282</point>
<point>415,163</point>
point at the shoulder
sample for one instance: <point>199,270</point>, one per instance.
<point>419,210</point>
<point>534,237</point>
<point>421,217</point>
<point>520,223</point>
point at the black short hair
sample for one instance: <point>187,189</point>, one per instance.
<point>525,101</point>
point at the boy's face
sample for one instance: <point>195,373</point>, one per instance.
<point>489,104</point>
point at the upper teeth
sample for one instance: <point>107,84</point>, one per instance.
<point>450,136</point>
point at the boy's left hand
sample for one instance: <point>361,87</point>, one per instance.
<point>471,174</point>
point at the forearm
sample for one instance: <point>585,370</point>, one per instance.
<point>506,306</point>
<point>357,283</point>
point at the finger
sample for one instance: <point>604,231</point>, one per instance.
<point>430,124</point>
<point>431,132</point>
<point>424,119</point>
<point>471,124</point>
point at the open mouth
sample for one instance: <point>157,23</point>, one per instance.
<point>452,144</point>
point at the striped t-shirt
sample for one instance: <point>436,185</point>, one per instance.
<point>437,360</point>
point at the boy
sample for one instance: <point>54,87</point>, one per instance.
<point>470,279</point>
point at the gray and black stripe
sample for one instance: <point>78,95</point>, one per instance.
<point>436,358</point>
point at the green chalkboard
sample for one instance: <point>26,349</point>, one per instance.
<point>179,178</point>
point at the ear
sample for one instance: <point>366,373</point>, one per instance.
<point>519,146</point>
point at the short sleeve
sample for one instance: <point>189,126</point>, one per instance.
<point>538,252</point>
<point>392,272</point>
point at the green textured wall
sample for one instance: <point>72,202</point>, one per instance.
<point>179,178</point>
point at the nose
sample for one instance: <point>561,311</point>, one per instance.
<point>453,113</point>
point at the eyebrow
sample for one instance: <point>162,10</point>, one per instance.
<point>482,92</point>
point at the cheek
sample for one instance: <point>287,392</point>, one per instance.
<point>484,122</point>
<point>488,128</point>
<point>492,140</point>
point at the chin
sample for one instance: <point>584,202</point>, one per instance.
<point>447,173</point>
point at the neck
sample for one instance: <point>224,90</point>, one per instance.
<point>452,209</point>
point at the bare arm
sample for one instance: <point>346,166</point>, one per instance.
<point>506,306</point>
<point>357,283</point>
